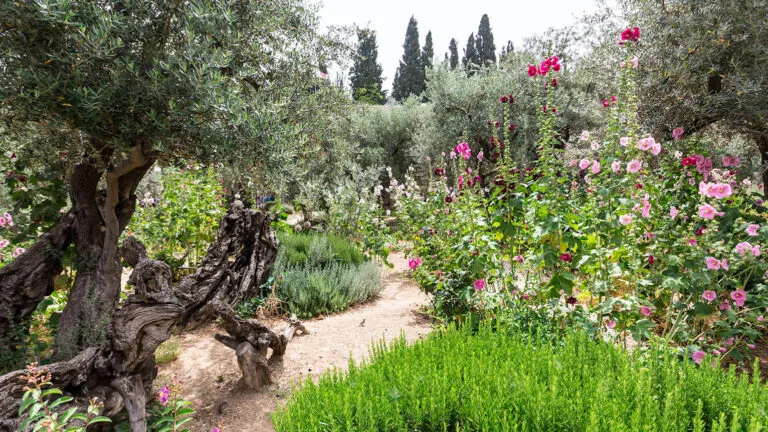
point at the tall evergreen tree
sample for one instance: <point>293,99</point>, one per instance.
<point>365,75</point>
<point>470,53</point>
<point>486,50</point>
<point>410,77</point>
<point>506,51</point>
<point>428,53</point>
<point>454,50</point>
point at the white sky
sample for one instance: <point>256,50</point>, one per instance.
<point>510,20</point>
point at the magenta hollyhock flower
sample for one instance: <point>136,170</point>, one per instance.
<point>566,257</point>
<point>761,318</point>
<point>752,230</point>
<point>532,71</point>
<point>713,263</point>
<point>677,133</point>
<point>605,103</point>
<point>634,166</point>
<point>464,150</point>
<point>706,211</point>
<point>518,258</point>
<point>673,212</point>
<point>709,296</point>
<point>480,156</point>
<point>584,164</point>
<point>645,311</point>
<point>479,285</point>
<point>703,165</point>
<point>724,264</point>
<point>625,219</point>
<point>697,356</point>
<point>511,127</point>
<point>739,297</point>
<point>646,210</point>
<point>414,263</point>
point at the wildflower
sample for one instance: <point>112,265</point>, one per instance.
<point>479,285</point>
<point>724,264</point>
<point>584,164</point>
<point>739,297</point>
<point>566,257</point>
<point>703,165</point>
<point>706,211</point>
<point>713,263</point>
<point>646,311</point>
<point>761,318</point>
<point>688,161</point>
<point>625,219</point>
<point>709,296</point>
<point>646,210</point>
<point>464,150</point>
<point>164,394</point>
<point>673,212</point>
<point>414,263</point>
<point>623,141</point>
<point>634,166</point>
<point>752,230</point>
<point>616,166</point>
<point>724,306</point>
<point>697,356</point>
<point>645,144</point>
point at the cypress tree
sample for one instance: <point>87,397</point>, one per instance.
<point>506,51</point>
<point>470,53</point>
<point>486,50</point>
<point>410,78</point>
<point>454,50</point>
<point>428,53</point>
<point>365,75</point>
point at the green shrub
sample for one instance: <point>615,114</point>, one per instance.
<point>168,351</point>
<point>316,250</point>
<point>499,381</point>
<point>309,291</point>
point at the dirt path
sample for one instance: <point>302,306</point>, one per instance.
<point>211,376</point>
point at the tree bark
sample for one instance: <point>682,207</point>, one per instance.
<point>762,145</point>
<point>121,370</point>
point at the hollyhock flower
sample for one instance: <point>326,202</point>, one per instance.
<point>724,306</point>
<point>616,166</point>
<point>646,210</point>
<point>724,264</point>
<point>611,324</point>
<point>655,148</point>
<point>453,155</point>
<point>709,296</point>
<point>595,167</point>
<point>464,150</point>
<point>635,60</point>
<point>2,222</point>
<point>689,161</point>
<point>697,356</point>
<point>739,297</point>
<point>743,248</point>
<point>751,346</point>
<point>479,285</point>
<point>605,103</point>
<point>752,230</point>
<point>566,257</point>
<point>8,219</point>
<point>673,212</point>
<point>700,230</point>
<point>630,34</point>
<point>595,145</point>
<point>584,164</point>
<point>18,251</point>
<point>511,127</point>
<point>504,99</point>
<point>511,98</point>
<point>414,263</point>
<point>532,71</point>
<point>518,258</point>
<point>761,318</point>
<point>730,161</point>
<point>480,156</point>
<point>645,143</point>
<point>706,211</point>
<point>646,311</point>
<point>622,65</point>
<point>625,219</point>
<point>634,166</point>
<point>703,165</point>
<point>677,133</point>
<point>4,243</point>
<point>623,141</point>
<point>713,263</point>
<point>554,81</point>
<point>574,163</point>
<point>756,250</point>
<point>651,259</point>
<point>613,99</point>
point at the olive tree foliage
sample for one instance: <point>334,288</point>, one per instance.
<point>701,63</point>
<point>134,83</point>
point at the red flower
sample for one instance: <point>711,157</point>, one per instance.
<point>689,161</point>
<point>504,99</point>
<point>631,34</point>
<point>544,109</point>
<point>554,82</point>
<point>511,126</point>
<point>651,259</point>
<point>605,103</point>
<point>566,257</point>
<point>532,71</point>
<point>511,98</point>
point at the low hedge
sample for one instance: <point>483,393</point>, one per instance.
<point>499,381</point>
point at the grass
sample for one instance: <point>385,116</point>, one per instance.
<point>168,351</point>
<point>500,381</point>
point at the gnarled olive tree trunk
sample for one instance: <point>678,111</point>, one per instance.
<point>120,371</point>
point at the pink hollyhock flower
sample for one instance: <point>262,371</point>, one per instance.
<point>721,190</point>
<point>584,164</point>
<point>724,264</point>
<point>730,161</point>
<point>646,311</point>
<point>756,250</point>
<point>655,148</point>
<point>479,285</point>
<point>622,64</point>
<point>4,243</point>
<point>724,306</point>
<point>634,166</point>
<point>752,230</point>
<point>761,318</point>
<point>595,145</point>
<point>464,150</point>
<point>595,167</point>
<point>480,156</point>
<point>677,133</point>
<point>713,263</point>
<point>743,248</point>
<point>625,219</point>
<point>706,211</point>
<point>645,143</point>
<point>635,61</point>
<point>453,155</point>
<point>751,346</point>
<point>623,141</point>
<point>739,297</point>
<point>611,324</point>
<point>646,210</point>
<point>566,257</point>
<point>518,258</point>
<point>2,221</point>
<point>673,212</point>
<point>703,165</point>
<point>697,356</point>
<point>574,163</point>
<point>18,251</point>
<point>709,296</point>
<point>414,263</point>
<point>616,166</point>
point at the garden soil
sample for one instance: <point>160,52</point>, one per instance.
<point>211,377</point>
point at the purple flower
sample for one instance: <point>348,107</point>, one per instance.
<point>479,285</point>
<point>697,356</point>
